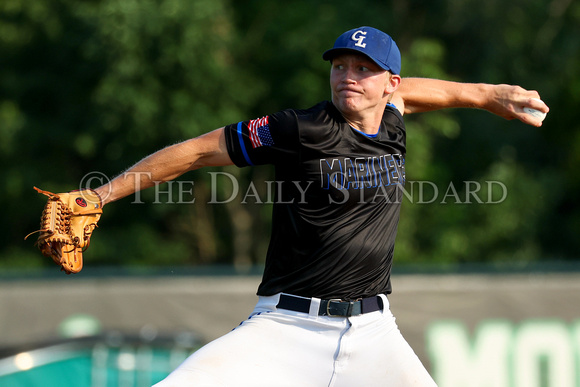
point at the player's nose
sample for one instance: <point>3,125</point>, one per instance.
<point>348,75</point>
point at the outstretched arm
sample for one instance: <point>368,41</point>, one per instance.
<point>416,95</point>
<point>168,164</point>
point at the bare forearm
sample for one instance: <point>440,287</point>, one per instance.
<point>155,168</point>
<point>422,94</point>
<point>168,164</point>
<point>507,101</point>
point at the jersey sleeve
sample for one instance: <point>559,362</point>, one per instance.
<point>266,140</point>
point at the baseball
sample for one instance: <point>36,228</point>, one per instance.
<point>535,113</point>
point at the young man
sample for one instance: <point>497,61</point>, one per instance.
<point>323,316</point>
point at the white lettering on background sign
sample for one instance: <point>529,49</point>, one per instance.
<point>534,353</point>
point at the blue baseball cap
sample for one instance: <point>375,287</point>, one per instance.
<point>375,44</point>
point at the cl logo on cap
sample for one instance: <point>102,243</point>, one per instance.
<point>359,39</point>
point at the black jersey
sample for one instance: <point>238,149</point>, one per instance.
<point>337,207</point>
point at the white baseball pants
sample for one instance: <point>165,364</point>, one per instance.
<point>281,348</point>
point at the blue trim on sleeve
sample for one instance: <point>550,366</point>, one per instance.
<point>242,145</point>
<point>391,105</point>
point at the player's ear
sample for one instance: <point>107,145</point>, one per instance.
<point>392,83</point>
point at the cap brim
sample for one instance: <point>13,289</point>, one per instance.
<point>330,54</point>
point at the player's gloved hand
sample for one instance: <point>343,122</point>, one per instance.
<point>67,223</point>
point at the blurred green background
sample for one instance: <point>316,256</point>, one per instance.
<point>88,88</point>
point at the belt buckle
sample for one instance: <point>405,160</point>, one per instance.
<point>337,300</point>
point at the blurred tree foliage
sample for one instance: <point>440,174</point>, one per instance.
<point>87,88</point>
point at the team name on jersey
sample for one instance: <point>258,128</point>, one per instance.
<point>362,172</point>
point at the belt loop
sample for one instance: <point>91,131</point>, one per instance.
<point>314,306</point>
<point>385,301</point>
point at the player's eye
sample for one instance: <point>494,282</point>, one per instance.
<point>363,68</point>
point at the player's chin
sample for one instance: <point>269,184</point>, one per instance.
<point>347,105</point>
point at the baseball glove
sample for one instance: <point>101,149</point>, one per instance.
<point>66,225</point>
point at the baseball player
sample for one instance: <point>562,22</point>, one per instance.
<point>323,317</point>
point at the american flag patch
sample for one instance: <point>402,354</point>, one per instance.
<point>260,132</point>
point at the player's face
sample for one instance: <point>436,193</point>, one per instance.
<point>358,84</point>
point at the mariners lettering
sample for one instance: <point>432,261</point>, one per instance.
<point>362,172</point>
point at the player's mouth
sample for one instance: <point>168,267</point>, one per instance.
<point>348,91</point>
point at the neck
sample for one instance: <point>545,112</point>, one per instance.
<point>368,124</point>
<point>366,119</point>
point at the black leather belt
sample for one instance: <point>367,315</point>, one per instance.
<point>332,308</point>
